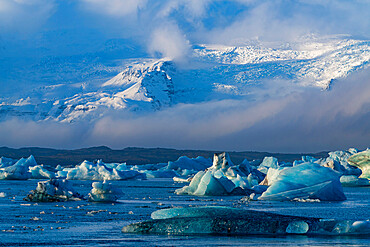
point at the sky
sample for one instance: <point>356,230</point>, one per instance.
<point>299,121</point>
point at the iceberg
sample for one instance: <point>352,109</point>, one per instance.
<point>338,161</point>
<point>232,221</point>
<point>19,170</point>
<point>53,190</point>
<point>104,192</point>
<point>23,169</point>
<point>4,162</point>
<point>99,171</point>
<point>222,178</point>
<point>182,167</point>
<point>354,181</point>
<point>305,181</point>
<point>362,161</point>
<point>268,162</point>
<point>39,172</point>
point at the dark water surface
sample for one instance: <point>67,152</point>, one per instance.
<point>81,223</point>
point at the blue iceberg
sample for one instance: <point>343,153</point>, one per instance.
<point>231,221</point>
<point>305,181</point>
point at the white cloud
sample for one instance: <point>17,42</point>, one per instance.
<point>24,16</point>
<point>115,8</point>
<point>170,42</point>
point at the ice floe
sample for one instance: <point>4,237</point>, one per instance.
<point>19,170</point>
<point>104,192</point>
<point>232,221</point>
<point>305,181</point>
<point>99,171</point>
<point>362,161</point>
<point>182,167</point>
<point>222,178</point>
<point>53,190</point>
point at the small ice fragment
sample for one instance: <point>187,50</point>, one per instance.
<point>104,192</point>
<point>297,227</point>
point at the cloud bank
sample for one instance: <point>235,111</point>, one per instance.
<point>298,121</point>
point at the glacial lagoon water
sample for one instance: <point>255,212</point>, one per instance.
<point>82,223</point>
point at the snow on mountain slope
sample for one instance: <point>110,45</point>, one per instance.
<point>214,72</point>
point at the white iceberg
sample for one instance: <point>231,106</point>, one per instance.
<point>53,190</point>
<point>19,170</point>
<point>104,192</point>
<point>223,178</point>
<point>338,161</point>
<point>23,169</point>
<point>39,172</point>
<point>268,162</point>
<point>305,181</point>
<point>182,167</point>
<point>99,171</point>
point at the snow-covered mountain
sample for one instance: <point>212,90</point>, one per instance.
<point>212,72</point>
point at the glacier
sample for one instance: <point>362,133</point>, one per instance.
<point>215,220</point>
<point>215,72</point>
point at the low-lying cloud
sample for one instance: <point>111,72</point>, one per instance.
<point>298,121</point>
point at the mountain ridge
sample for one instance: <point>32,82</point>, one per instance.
<point>227,72</point>
<point>133,155</point>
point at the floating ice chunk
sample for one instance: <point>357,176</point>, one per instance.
<point>18,171</point>
<point>271,176</point>
<point>297,227</point>
<point>209,185</point>
<point>268,162</point>
<point>104,192</point>
<point>39,172</point>
<point>223,178</point>
<point>307,180</point>
<point>4,162</point>
<point>23,169</point>
<point>362,161</point>
<point>192,187</point>
<point>221,161</point>
<point>183,166</point>
<point>98,171</point>
<point>354,181</point>
<point>231,221</point>
<point>338,161</point>
<point>161,174</point>
<point>181,180</point>
<point>53,190</point>
<point>198,164</point>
